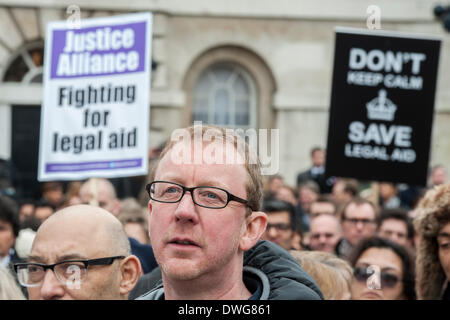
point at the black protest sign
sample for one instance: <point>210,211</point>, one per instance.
<point>382,105</point>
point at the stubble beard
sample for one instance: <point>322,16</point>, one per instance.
<point>186,269</point>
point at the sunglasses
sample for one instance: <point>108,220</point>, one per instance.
<point>387,280</point>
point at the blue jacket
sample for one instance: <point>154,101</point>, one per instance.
<point>145,254</point>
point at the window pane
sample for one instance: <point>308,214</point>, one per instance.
<point>203,85</point>
<point>223,96</point>
<point>240,87</point>
<point>37,78</point>
<point>16,70</point>
<point>25,64</point>
<point>242,116</point>
<point>221,103</point>
<point>222,74</point>
<point>201,109</point>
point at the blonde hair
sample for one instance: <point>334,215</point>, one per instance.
<point>9,290</point>
<point>332,274</point>
<point>254,185</point>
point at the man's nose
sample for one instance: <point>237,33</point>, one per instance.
<point>394,237</point>
<point>51,288</point>
<point>186,210</point>
<point>272,232</point>
<point>359,225</point>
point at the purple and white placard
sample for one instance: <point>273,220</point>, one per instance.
<point>96,106</point>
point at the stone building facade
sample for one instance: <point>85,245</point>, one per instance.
<point>279,53</point>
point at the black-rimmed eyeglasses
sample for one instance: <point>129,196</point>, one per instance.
<point>203,196</point>
<point>355,221</point>
<point>71,272</point>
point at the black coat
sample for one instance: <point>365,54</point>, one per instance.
<point>325,185</point>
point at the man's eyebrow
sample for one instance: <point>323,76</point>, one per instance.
<point>170,178</point>
<point>36,259</point>
<point>207,183</point>
<point>216,184</point>
<point>444,234</point>
<point>73,256</point>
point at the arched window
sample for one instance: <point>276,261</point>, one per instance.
<point>224,94</point>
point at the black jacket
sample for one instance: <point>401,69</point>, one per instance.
<point>325,184</point>
<point>279,274</point>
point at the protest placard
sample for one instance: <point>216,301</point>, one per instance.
<point>95,113</point>
<point>382,105</point>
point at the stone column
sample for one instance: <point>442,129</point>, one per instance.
<point>5,131</point>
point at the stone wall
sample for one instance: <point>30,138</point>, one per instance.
<point>292,40</point>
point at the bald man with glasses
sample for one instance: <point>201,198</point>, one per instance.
<point>80,253</point>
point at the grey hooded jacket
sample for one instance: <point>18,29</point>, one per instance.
<point>279,274</point>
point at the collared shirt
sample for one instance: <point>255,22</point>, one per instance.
<point>4,262</point>
<point>315,171</point>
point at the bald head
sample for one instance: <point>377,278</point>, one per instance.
<point>325,232</point>
<point>100,184</point>
<point>85,233</point>
<point>325,219</point>
<point>100,192</point>
<point>93,224</point>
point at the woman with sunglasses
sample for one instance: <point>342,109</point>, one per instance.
<point>382,270</point>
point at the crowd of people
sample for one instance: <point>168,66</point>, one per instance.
<point>211,231</point>
<point>375,229</point>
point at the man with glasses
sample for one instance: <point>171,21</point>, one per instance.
<point>358,221</point>
<point>281,222</point>
<point>205,198</point>
<point>80,253</point>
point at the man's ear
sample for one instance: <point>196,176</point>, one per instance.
<point>130,270</point>
<point>255,226</point>
<point>116,208</point>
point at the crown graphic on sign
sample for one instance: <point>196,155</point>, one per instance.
<point>381,108</point>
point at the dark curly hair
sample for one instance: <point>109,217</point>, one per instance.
<point>9,213</point>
